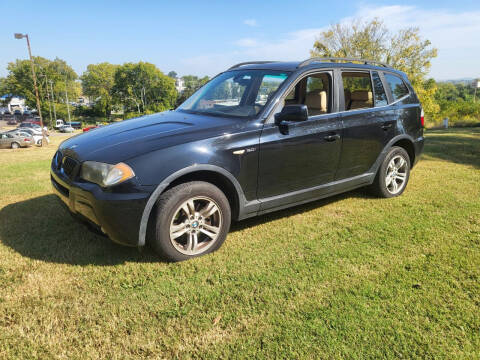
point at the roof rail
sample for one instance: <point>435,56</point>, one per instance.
<point>332,59</point>
<point>250,63</point>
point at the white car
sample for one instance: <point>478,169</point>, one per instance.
<point>36,134</point>
<point>66,129</point>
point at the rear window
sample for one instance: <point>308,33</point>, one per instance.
<point>397,86</point>
<point>357,89</point>
<point>380,95</point>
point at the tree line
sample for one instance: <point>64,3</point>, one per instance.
<point>407,51</point>
<point>131,89</point>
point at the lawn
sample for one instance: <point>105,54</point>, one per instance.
<point>352,276</point>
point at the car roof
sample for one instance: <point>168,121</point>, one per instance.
<point>296,65</point>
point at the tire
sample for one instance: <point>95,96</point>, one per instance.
<point>183,230</point>
<point>391,181</point>
<point>14,145</point>
<point>39,142</point>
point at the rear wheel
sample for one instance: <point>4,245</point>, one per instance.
<point>15,145</point>
<point>393,175</point>
<point>193,219</point>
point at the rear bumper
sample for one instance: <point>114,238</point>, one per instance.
<point>118,215</point>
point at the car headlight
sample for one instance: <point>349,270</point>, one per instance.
<point>106,174</point>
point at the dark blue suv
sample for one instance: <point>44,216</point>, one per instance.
<point>259,137</point>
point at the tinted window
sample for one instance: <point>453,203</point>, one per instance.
<point>380,95</point>
<point>314,92</point>
<point>317,95</point>
<point>270,84</point>
<point>235,93</point>
<point>357,89</point>
<point>397,86</point>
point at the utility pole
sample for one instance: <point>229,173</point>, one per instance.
<point>49,102</point>
<point>68,106</point>
<point>21,36</point>
<point>53,100</point>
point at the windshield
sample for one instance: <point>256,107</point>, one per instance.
<point>236,93</point>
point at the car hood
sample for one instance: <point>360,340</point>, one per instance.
<point>126,139</point>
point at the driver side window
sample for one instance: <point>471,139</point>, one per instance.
<point>314,91</point>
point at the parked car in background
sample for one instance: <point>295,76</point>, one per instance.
<point>66,129</point>
<point>92,127</point>
<point>75,124</point>
<point>29,125</point>
<point>15,140</point>
<point>12,121</point>
<point>37,135</point>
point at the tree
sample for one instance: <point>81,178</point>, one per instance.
<point>404,50</point>
<point>192,83</point>
<point>97,83</point>
<point>143,88</point>
<point>19,82</point>
<point>172,74</point>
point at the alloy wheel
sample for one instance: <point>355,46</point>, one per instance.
<point>396,175</point>
<point>196,225</point>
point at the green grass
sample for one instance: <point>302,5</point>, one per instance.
<point>347,277</point>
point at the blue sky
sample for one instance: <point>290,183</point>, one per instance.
<point>203,38</point>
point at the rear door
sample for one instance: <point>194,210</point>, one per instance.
<point>308,155</point>
<point>368,121</point>
<point>406,103</point>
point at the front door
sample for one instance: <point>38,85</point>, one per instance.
<point>307,156</point>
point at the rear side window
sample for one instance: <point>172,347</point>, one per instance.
<point>357,89</point>
<point>397,86</point>
<point>380,95</point>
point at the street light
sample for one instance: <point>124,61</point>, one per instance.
<point>21,36</point>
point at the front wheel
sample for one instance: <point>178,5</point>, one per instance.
<point>15,145</point>
<point>393,175</point>
<point>193,219</point>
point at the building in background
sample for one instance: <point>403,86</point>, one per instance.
<point>179,84</point>
<point>15,102</point>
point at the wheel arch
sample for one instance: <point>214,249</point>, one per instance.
<point>216,175</point>
<point>405,141</point>
<point>407,144</point>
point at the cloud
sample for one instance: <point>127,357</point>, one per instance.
<point>453,33</point>
<point>250,22</point>
<point>247,42</point>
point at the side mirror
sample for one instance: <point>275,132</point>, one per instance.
<point>292,113</point>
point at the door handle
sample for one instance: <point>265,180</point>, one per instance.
<point>386,126</point>
<point>332,137</point>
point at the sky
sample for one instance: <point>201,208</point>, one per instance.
<point>206,37</point>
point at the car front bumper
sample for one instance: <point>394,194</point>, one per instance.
<point>117,214</point>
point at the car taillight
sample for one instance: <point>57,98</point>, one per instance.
<point>422,118</point>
